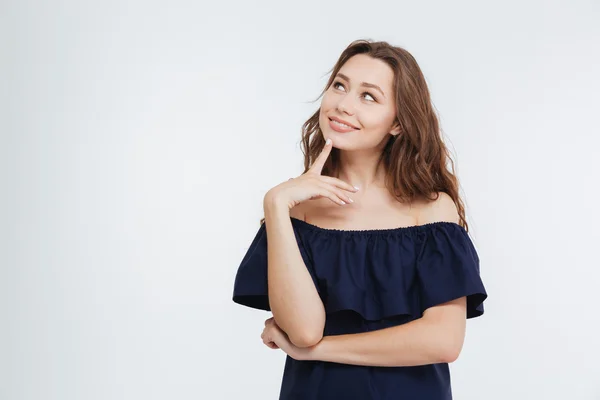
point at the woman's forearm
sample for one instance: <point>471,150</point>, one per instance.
<point>436,337</point>
<point>293,297</point>
<point>419,342</point>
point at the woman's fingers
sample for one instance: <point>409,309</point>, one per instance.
<point>267,340</point>
<point>339,183</point>
<point>340,193</point>
<point>317,166</point>
<point>330,187</point>
<point>334,194</point>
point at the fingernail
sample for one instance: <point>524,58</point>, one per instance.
<point>356,187</point>
<point>328,141</point>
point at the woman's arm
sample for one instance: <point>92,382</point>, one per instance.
<point>293,298</point>
<point>437,337</point>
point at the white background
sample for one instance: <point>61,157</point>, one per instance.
<point>138,139</point>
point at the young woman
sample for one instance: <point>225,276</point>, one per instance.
<point>370,288</point>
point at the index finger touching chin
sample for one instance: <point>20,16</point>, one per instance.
<point>317,166</point>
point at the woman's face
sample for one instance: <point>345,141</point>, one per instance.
<point>370,110</point>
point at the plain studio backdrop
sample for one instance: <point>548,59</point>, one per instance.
<point>139,138</point>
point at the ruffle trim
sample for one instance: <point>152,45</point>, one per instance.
<point>370,307</point>
<point>447,268</point>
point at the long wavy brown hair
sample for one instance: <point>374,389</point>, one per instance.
<point>415,161</point>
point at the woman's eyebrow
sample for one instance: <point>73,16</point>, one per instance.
<point>371,85</point>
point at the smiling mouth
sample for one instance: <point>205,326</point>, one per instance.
<point>341,125</point>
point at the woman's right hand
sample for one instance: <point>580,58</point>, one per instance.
<point>311,185</point>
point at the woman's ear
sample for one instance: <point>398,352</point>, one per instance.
<point>395,129</point>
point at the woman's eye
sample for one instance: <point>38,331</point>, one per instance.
<point>335,84</point>
<point>369,94</point>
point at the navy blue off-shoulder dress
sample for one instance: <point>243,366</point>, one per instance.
<point>368,280</point>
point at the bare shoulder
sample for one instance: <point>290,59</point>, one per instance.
<point>442,209</point>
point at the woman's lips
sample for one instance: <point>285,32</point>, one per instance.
<point>340,128</point>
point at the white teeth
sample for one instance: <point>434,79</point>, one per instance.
<point>340,124</point>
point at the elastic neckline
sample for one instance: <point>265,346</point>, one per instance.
<point>400,229</point>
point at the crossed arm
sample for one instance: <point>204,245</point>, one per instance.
<point>293,297</point>
<point>437,337</point>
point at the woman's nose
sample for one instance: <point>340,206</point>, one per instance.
<point>345,106</point>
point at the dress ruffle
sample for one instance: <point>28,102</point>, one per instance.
<point>250,286</point>
<point>379,273</point>
<point>448,268</point>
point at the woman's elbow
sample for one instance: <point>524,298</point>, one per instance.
<point>452,349</point>
<point>306,339</point>
<point>450,356</point>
